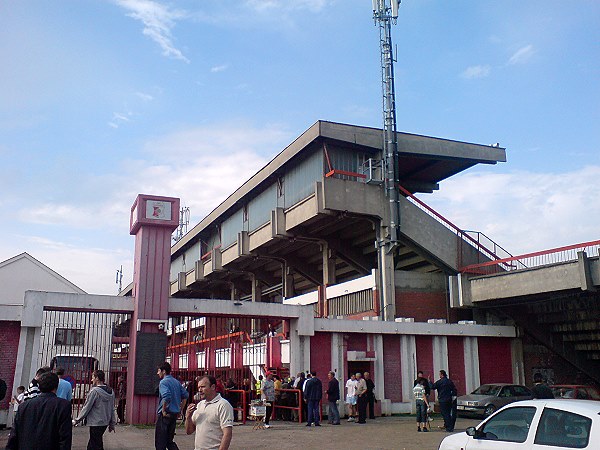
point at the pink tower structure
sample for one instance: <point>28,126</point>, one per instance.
<point>152,221</point>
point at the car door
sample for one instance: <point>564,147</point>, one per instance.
<point>505,396</point>
<point>559,429</point>
<point>509,429</point>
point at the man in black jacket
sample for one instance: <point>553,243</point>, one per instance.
<point>313,393</point>
<point>447,399</point>
<point>44,422</point>
<point>333,395</point>
<point>541,389</point>
<point>370,394</point>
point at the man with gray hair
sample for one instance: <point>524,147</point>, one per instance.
<point>361,398</point>
<point>333,395</point>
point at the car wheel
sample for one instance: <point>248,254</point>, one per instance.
<point>489,410</point>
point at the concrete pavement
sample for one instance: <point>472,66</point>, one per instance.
<point>398,432</point>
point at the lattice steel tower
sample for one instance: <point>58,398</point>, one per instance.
<point>385,12</point>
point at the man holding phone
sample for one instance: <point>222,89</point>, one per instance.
<point>211,418</point>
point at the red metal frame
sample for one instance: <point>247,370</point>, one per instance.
<point>298,408</point>
<point>344,172</point>
<point>509,263</point>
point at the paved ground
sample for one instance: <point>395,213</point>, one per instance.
<point>383,433</point>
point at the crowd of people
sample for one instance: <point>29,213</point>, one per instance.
<point>43,412</point>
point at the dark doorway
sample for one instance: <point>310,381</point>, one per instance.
<point>360,366</point>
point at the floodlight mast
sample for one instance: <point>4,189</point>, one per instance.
<point>384,13</point>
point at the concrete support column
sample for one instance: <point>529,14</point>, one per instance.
<point>408,365</point>
<point>299,349</point>
<point>385,284</point>
<point>337,357</point>
<point>378,376</point>
<point>288,283</point>
<point>27,355</point>
<point>256,297</point>
<point>440,355</point>
<point>471,350</point>
<point>516,350</point>
<point>328,258</point>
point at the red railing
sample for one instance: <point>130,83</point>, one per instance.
<point>535,259</point>
<point>495,253</point>
<point>298,406</point>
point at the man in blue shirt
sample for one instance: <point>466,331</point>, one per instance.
<point>65,390</point>
<point>170,392</point>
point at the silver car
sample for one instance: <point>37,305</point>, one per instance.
<point>488,398</point>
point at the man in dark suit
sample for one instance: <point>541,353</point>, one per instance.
<point>313,393</point>
<point>44,422</point>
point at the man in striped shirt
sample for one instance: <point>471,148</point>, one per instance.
<point>33,389</point>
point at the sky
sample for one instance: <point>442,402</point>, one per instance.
<point>101,100</point>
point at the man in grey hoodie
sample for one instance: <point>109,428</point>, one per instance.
<point>99,409</point>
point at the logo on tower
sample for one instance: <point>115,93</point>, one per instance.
<point>158,210</point>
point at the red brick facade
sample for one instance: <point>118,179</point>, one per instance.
<point>9,337</point>
<point>495,360</point>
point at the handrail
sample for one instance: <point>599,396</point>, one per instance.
<point>459,232</point>
<point>299,407</point>
<point>471,268</point>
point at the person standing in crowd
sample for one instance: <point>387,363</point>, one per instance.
<point>121,398</point>
<point>16,400</point>
<point>267,392</point>
<point>99,411</point>
<point>333,395</point>
<point>258,385</point>
<point>361,398</point>
<point>300,385</point>
<point>284,398</point>
<point>33,390</point>
<point>370,395</point>
<point>427,383</point>
<point>44,421</point>
<point>170,392</point>
<point>313,393</point>
<point>351,397</point>
<point>65,390</point>
<point>421,404</point>
<point>446,397</point>
<point>3,389</point>
<point>211,418</point>
<point>277,384</point>
<point>540,389</point>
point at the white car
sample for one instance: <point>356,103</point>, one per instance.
<point>534,425</point>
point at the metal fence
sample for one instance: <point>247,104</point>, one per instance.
<point>81,342</point>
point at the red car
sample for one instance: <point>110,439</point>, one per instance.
<point>575,391</point>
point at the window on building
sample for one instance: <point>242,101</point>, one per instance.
<point>69,336</point>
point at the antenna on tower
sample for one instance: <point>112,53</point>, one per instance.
<point>385,12</point>
<point>184,221</point>
<point>119,279</point>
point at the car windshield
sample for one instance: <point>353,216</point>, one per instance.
<point>487,389</point>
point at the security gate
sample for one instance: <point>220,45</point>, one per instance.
<point>81,342</point>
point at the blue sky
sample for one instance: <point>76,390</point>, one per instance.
<point>102,100</point>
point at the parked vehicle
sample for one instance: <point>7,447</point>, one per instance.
<point>488,398</point>
<point>534,425</point>
<point>575,391</point>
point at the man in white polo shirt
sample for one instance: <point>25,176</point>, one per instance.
<point>212,418</point>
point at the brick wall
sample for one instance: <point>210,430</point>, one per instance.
<point>427,305</point>
<point>320,356</point>
<point>392,368</point>
<point>495,360</point>
<point>456,362</point>
<point>9,339</point>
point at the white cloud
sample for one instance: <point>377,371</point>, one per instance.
<point>522,55</point>
<point>145,97</point>
<point>158,20</point>
<point>476,72</point>
<point>524,211</point>
<point>285,5</point>
<point>220,68</point>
